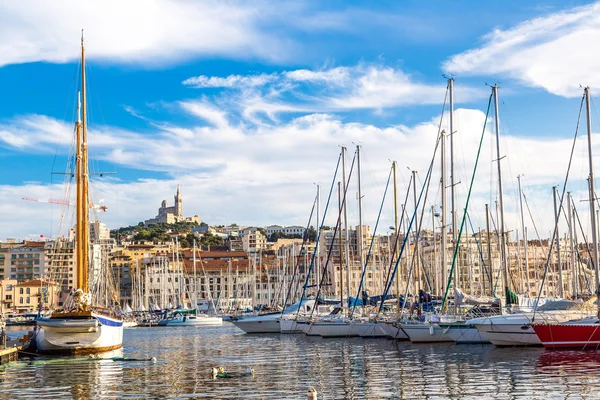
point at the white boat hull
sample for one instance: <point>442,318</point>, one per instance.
<point>130,324</point>
<point>95,334</point>
<point>505,334</point>
<point>425,333</point>
<point>367,329</point>
<point>192,321</point>
<point>516,330</point>
<point>393,331</point>
<point>464,334</point>
<point>329,329</point>
<point>259,324</point>
<point>289,326</point>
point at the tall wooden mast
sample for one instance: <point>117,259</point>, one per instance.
<point>83,223</point>
<point>79,204</point>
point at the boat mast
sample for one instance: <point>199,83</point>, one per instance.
<point>195,296</point>
<point>83,217</point>
<point>559,264</point>
<point>359,237</point>
<point>396,227</point>
<point>317,250</point>
<point>452,180</point>
<point>79,203</point>
<point>340,205</point>
<point>502,233</point>
<point>443,250</point>
<point>417,264</point>
<point>571,245</point>
<point>346,234</point>
<point>592,192</point>
<point>524,235</point>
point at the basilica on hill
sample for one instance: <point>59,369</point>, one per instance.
<point>173,214</point>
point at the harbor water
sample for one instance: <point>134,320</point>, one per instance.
<point>287,365</point>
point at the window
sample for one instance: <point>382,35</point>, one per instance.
<point>9,297</point>
<point>28,300</point>
<point>20,290</point>
<point>20,300</point>
<point>27,291</point>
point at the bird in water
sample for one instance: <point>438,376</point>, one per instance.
<point>221,373</point>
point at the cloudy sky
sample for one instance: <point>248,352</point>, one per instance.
<point>247,104</point>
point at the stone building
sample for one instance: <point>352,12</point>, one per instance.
<point>173,214</point>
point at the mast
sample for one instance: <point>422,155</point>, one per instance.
<point>83,218</point>
<point>414,176</point>
<point>502,233</point>
<point>452,180</point>
<point>592,192</point>
<point>571,246</point>
<point>435,269</point>
<point>317,250</point>
<point>79,203</point>
<point>443,250</point>
<point>394,166</point>
<point>340,244</point>
<point>559,264</point>
<point>359,236</point>
<point>524,235</point>
<point>347,237</point>
<point>195,297</point>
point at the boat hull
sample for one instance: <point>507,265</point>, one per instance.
<point>196,321</point>
<point>331,329</point>
<point>90,335</point>
<point>259,324</point>
<point>425,333</point>
<point>464,334</point>
<point>394,331</point>
<point>289,326</point>
<point>555,336</point>
<point>368,329</point>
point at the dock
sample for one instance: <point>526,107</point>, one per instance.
<point>9,355</point>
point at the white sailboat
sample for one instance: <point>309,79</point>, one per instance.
<point>85,327</point>
<point>182,317</point>
<point>271,323</point>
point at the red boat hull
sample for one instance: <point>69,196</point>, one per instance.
<point>569,336</point>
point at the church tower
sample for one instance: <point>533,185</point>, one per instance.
<point>178,204</point>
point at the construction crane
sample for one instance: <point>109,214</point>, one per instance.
<point>100,207</point>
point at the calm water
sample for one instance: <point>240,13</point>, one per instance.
<point>286,365</point>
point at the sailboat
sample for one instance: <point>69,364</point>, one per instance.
<point>85,327</point>
<point>187,317</point>
<point>583,333</point>
<point>515,329</point>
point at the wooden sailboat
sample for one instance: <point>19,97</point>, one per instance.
<point>85,327</point>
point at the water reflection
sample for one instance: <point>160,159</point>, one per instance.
<point>287,365</point>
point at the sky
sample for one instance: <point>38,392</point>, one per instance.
<point>247,105</point>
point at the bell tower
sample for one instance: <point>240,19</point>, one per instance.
<point>178,204</point>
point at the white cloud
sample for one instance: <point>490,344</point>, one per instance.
<point>264,174</point>
<point>337,89</point>
<point>339,75</point>
<point>136,31</point>
<point>231,81</point>
<point>554,52</point>
<point>207,112</point>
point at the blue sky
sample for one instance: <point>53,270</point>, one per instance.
<point>246,103</point>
